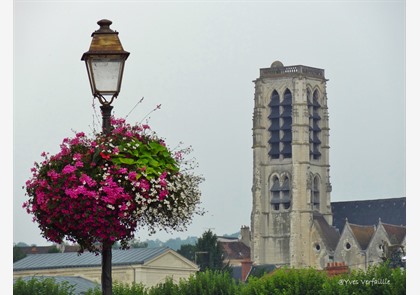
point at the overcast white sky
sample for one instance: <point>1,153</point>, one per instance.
<point>198,59</point>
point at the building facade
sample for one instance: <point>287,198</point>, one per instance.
<point>292,215</point>
<point>149,266</point>
<point>290,163</point>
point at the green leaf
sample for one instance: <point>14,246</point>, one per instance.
<point>127,161</point>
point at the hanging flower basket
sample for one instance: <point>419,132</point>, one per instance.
<point>101,189</point>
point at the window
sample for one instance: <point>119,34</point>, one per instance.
<point>315,193</point>
<point>286,125</point>
<point>280,193</point>
<point>285,193</point>
<point>314,122</point>
<point>274,128</point>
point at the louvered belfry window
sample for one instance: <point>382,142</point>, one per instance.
<point>280,193</point>
<point>286,125</point>
<point>280,125</point>
<point>274,128</point>
<point>314,129</point>
<point>315,193</point>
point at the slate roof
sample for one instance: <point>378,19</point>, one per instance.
<point>67,260</point>
<point>368,212</point>
<point>329,234</point>
<point>80,285</point>
<point>396,234</point>
<point>363,234</point>
<point>235,250</point>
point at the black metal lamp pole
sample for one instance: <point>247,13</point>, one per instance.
<point>106,118</point>
<point>105,66</point>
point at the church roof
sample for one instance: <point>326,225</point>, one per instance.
<point>368,212</point>
<point>328,233</point>
<point>363,234</point>
<point>396,234</point>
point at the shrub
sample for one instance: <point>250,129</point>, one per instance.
<point>209,283</point>
<point>42,286</point>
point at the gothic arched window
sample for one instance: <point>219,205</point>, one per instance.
<point>315,130</point>
<point>285,193</point>
<point>275,193</point>
<point>274,128</point>
<point>286,125</point>
<point>315,193</point>
<point>280,193</point>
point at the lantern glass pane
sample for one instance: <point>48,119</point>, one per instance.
<point>107,74</point>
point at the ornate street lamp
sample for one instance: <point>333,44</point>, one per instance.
<point>105,66</point>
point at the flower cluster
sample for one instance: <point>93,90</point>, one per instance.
<point>100,189</point>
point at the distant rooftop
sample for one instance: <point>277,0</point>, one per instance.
<point>87,259</point>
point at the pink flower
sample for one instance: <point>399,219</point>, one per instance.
<point>163,194</point>
<point>144,184</point>
<point>77,157</point>
<point>75,141</point>
<point>54,175</point>
<point>87,179</point>
<point>132,176</point>
<point>68,169</point>
<point>122,171</point>
<point>78,164</point>
<point>71,193</point>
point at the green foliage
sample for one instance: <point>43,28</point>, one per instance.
<point>18,253</point>
<point>167,288</point>
<point>377,280</point>
<point>42,286</point>
<point>154,157</point>
<point>209,283</point>
<point>188,251</point>
<point>126,289</point>
<point>209,254</point>
<point>53,249</point>
<point>287,281</point>
<point>121,289</point>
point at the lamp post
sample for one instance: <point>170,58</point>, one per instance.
<point>105,66</point>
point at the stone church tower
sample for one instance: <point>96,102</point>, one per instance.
<point>291,183</point>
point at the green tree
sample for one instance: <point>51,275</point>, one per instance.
<point>188,251</point>
<point>18,253</point>
<point>53,249</point>
<point>137,244</point>
<point>208,254</point>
